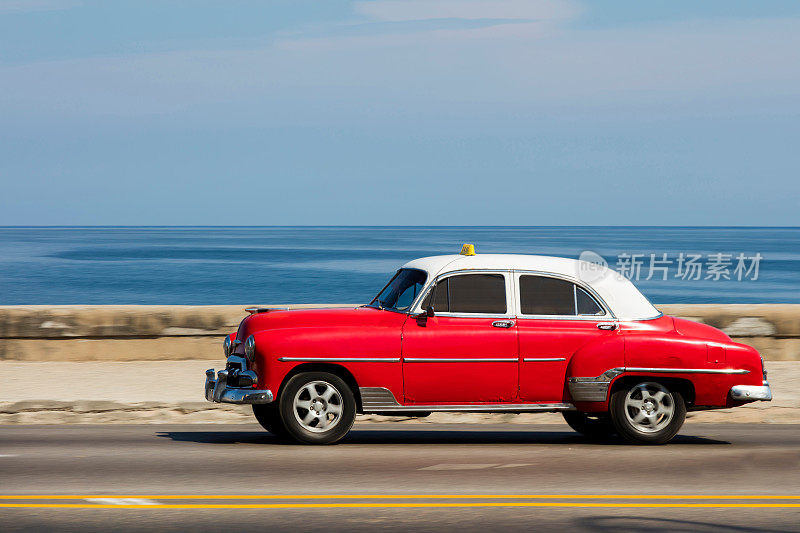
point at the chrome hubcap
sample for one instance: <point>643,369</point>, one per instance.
<point>318,406</point>
<point>649,407</point>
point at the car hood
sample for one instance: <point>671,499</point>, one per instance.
<point>310,318</point>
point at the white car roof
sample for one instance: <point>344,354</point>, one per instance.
<point>619,294</point>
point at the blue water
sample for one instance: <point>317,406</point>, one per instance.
<point>270,265</point>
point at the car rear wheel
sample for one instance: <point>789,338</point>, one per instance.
<point>599,427</point>
<point>317,408</point>
<point>647,413</point>
<point>269,416</point>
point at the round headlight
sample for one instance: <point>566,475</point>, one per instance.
<point>250,347</point>
<point>227,346</point>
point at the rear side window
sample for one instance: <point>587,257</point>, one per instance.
<point>470,293</point>
<point>541,295</point>
<point>586,304</point>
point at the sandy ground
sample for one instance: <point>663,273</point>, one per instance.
<point>172,392</point>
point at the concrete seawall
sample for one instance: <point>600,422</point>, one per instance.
<point>118,332</point>
<point>159,333</point>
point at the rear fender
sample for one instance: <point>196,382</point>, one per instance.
<point>711,389</point>
<point>588,376</point>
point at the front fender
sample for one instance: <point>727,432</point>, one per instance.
<point>370,354</point>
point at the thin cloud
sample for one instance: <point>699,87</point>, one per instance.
<point>406,22</point>
<point>703,66</point>
<point>8,6</point>
<point>407,10</point>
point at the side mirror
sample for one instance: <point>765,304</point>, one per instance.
<point>428,312</point>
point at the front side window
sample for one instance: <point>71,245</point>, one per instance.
<point>401,291</point>
<point>469,293</point>
<point>540,295</point>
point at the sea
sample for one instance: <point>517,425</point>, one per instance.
<point>332,264</point>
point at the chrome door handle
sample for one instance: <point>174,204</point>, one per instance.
<point>502,323</point>
<point>607,325</point>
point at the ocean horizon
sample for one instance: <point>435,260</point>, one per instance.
<point>203,265</point>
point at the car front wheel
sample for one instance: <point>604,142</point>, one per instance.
<point>269,417</point>
<point>317,408</point>
<point>647,413</point>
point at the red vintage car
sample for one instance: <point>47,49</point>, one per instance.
<point>487,333</point>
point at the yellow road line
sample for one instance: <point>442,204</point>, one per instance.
<point>405,496</point>
<point>396,505</point>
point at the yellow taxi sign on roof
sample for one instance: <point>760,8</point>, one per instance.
<point>468,249</point>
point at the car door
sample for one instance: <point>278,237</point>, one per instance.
<point>555,318</point>
<point>467,351</point>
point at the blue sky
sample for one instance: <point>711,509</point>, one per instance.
<point>463,112</point>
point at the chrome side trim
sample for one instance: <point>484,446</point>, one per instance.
<point>687,370</point>
<point>595,389</point>
<point>343,359</point>
<point>488,408</point>
<point>257,310</point>
<point>752,392</point>
<point>590,318</point>
<point>460,360</point>
<point>659,315</point>
<point>592,389</point>
<point>588,392</point>
<point>542,359</point>
<point>376,398</point>
<point>608,375</point>
<point>471,315</point>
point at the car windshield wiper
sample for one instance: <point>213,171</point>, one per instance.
<point>380,304</point>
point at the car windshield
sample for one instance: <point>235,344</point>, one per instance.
<point>401,291</point>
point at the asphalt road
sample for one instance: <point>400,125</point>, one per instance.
<point>397,477</point>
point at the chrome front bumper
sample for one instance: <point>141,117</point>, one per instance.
<point>217,390</point>
<point>752,392</point>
